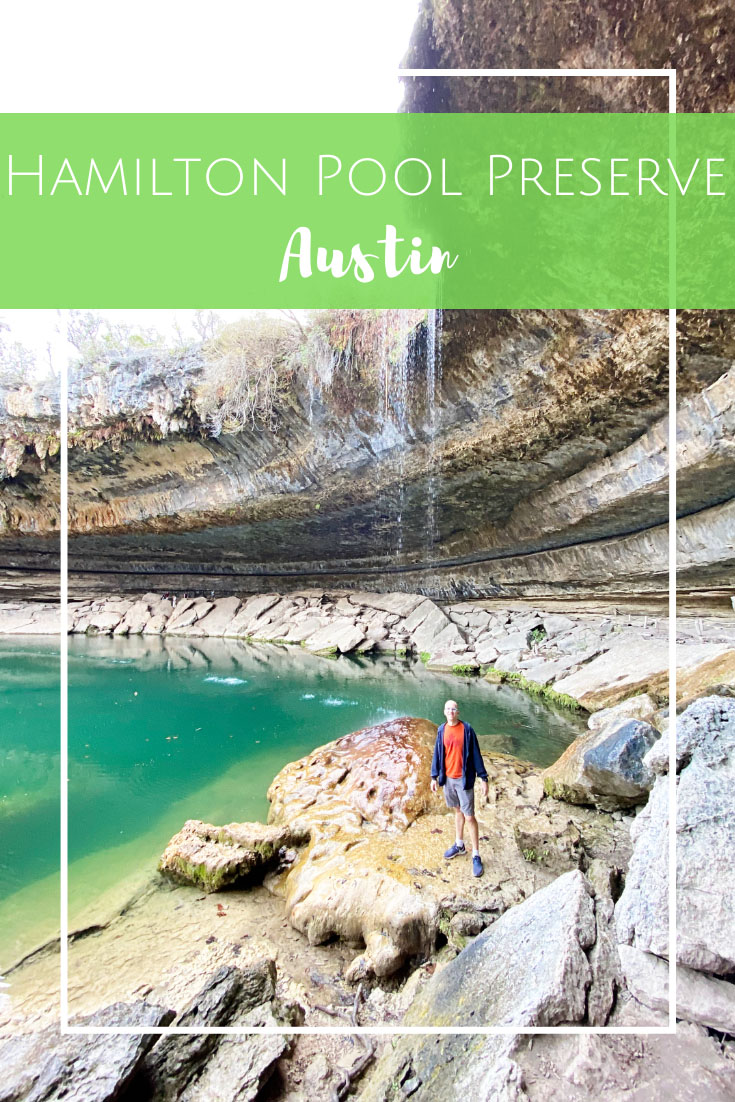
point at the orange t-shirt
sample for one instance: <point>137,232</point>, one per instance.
<point>453,748</point>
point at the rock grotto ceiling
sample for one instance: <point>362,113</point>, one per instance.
<point>493,452</point>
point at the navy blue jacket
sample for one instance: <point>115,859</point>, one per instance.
<point>472,764</point>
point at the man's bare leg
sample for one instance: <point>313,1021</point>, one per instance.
<point>474,832</point>
<point>459,825</point>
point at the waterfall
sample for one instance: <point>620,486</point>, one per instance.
<point>395,408</point>
<point>433,388</point>
<point>401,399</point>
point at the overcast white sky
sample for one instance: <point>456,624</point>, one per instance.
<point>181,55</point>
<point>177,55</point>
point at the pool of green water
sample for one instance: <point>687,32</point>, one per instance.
<point>165,730</point>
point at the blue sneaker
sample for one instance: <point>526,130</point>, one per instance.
<point>477,865</point>
<point>454,851</point>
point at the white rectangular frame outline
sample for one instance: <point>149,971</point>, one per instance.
<point>510,1030</point>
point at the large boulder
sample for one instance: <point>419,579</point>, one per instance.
<point>528,968</point>
<point>642,912</point>
<point>38,1067</point>
<point>339,636</point>
<point>379,774</point>
<point>432,630</point>
<point>705,836</point>
<point>220,616</point>
<point>538,965</point>
<point>551,1067</point>
<point>205,1067</point>
<point>211,857</point>
<point>605,768</point>
<point>641,706</point>
<point>700,999</point>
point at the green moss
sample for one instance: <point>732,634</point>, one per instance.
<point>197,874</point>
<point>401,651</point>
<point>533,688</point>
<point>495,677</point>
<point>463,670</point>
<point>425,656</point>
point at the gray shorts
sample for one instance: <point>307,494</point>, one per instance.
<point>457,796</point>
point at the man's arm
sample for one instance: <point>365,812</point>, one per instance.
<point>477,755</point>
<point>479,763</point>
<point>435,762</point>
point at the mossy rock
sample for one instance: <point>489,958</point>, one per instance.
<point>212,858</point>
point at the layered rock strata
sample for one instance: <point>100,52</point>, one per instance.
<point>538,466</point>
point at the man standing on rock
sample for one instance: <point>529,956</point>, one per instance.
<point>457,762</point>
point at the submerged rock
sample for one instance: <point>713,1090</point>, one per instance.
<point>605,768</point>
<point>212,857</point>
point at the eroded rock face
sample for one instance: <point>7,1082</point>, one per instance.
<point>550,440</point>
<point>379,776</point>
<point>705,833</point>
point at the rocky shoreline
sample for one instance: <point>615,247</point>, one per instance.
<point>341,910</point>
<point>590,660</point>
<point>569,925</point>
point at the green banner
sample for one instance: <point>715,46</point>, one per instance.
<point>489,211</point>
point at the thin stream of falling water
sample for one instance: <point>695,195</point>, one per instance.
<point>433,388</point>
<point>402,421</point>
<point>384,507</point>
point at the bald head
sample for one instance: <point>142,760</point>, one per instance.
<point>451,711</point>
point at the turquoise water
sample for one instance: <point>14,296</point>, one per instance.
<point>161,731</point>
